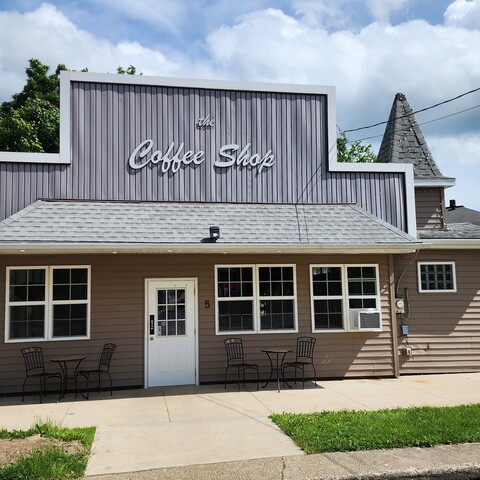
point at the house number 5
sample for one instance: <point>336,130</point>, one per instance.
<point>207,303</point>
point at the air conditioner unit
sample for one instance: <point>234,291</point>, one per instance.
<point>365,319</point>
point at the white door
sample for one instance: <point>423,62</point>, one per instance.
<point>171,327</point>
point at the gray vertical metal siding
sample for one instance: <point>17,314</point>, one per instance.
<point>108,121</point>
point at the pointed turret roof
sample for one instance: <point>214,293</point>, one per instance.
<point>403,142</point>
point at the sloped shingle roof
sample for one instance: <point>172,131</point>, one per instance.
<point>455,231</point>
<point>74,222</point>
<point>461,214</point>
<point>403,142</point>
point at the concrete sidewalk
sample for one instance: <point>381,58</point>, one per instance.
<point>207,432</point>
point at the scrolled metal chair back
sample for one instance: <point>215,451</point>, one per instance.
<point>106,357</point>
<point>305,346</point>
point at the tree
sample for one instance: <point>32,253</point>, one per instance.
<point>355,153</point>
<point>130,70</point>
<point>30,122</point>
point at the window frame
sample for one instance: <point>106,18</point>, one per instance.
<point>48,303</point>
<point>419,276</point>
<point>345,296</point>
<point>256,300</point>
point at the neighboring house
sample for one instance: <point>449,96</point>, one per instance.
<point>181,212</point>
<point>460,214</point>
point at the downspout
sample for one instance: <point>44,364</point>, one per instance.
<point>393,317</point>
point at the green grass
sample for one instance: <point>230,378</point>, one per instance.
<point>368,430</point>
<point>50,462</point>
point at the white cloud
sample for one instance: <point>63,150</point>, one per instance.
<point>51,37</point>
<point>459,157</point>
<point>322,13</point>
<point>382,9</point>
<point>464,14</point>
<point>167,14</point>
<point>456,152</point>
<point>427,63</point>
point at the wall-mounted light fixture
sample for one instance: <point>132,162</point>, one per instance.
<point>214,233</point>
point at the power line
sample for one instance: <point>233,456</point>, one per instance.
<point>413,113</point>
<point>423,123</point>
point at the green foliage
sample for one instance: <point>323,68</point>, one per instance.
<point>367,430</point>
<point>50,462</point>
<point>356,152</point>
<point>30,121</point>
<point>130,70</point>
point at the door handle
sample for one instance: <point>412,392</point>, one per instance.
<point>152,325</point>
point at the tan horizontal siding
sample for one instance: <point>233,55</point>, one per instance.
<point>429,207</point>
<point>444,328</point>
<point>117,312</point>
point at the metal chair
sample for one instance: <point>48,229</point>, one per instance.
<point>236,359</point>
<point>35,368</point>
<point>102,369</point>
<point>304,357</point>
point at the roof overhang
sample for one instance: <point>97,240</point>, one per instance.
<point>200,248</point>
<point>434,182</point>
<point>454,244</point>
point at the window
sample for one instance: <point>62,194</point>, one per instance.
<point>255,298</point>
<point>436,277</point>
<point>337,291</point>
<point>327,297</point>
<point>47,303</point>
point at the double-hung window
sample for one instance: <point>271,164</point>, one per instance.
<point>255,298</point>
<point>48,303</point>
<point>436,277</point>
<point>338,291</point>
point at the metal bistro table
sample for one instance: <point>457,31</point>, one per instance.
<point>63,361</point>
<point>277,366</point>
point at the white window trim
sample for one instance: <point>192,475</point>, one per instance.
<point>49,303</point>
<point>345,296</point>
<point>256,300</point>
<point>229,299</point>
<point>440,262</point>
<point>323,297</point>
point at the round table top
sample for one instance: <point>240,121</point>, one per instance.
<point>68,358</point>
<point>276,350</point>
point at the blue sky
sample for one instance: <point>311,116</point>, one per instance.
<point>368,49</point>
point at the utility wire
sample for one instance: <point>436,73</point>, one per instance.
<point>423,123</point>
<point>413,113</point>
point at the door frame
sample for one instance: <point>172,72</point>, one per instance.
<point>148,281</point>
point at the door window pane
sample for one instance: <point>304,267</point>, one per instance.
<point>171,307</point>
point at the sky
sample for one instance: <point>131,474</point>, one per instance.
<point>368,49</point>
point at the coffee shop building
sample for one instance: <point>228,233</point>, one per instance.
<point>179,213</point>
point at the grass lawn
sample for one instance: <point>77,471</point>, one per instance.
<point>368,430</point>
<point>62,453</point>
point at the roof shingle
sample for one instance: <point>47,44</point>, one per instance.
<point>74,222</point>
<point>403,142</point>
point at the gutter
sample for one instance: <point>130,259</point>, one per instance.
<point>19,248</point>
<point>457,244</point>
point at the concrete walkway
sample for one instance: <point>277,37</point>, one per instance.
<point>204,428</point>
